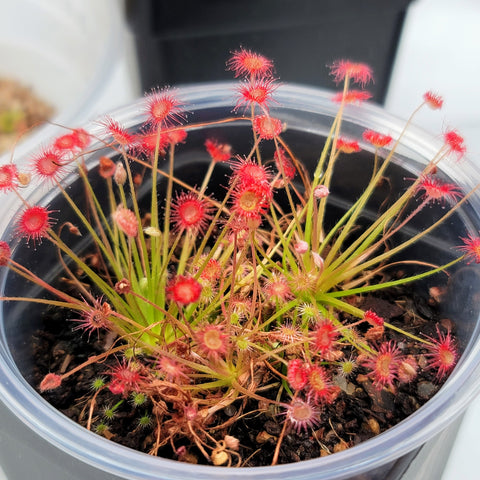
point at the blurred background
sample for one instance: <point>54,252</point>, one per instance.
<point>69,61</point>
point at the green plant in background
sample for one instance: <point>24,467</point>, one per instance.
<point>12,120</point>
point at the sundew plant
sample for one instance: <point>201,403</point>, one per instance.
<point>216,302</point>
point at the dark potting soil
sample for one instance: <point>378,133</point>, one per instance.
<point>354,417</point>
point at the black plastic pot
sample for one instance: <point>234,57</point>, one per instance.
<point>187,41</point>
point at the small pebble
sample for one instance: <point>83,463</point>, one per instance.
<point>374,426</point>
<point>426,389</point>
<point>263,437</point>
<point>447,324</point>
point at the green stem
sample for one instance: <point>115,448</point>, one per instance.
<point>393,283</point>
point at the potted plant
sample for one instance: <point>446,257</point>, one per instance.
<point>283,282</point>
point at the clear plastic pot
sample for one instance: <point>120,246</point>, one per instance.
<point>37,441</point>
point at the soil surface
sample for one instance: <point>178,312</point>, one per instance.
<point>360,412</point>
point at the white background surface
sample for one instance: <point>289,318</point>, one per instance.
<point>440,51</point>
